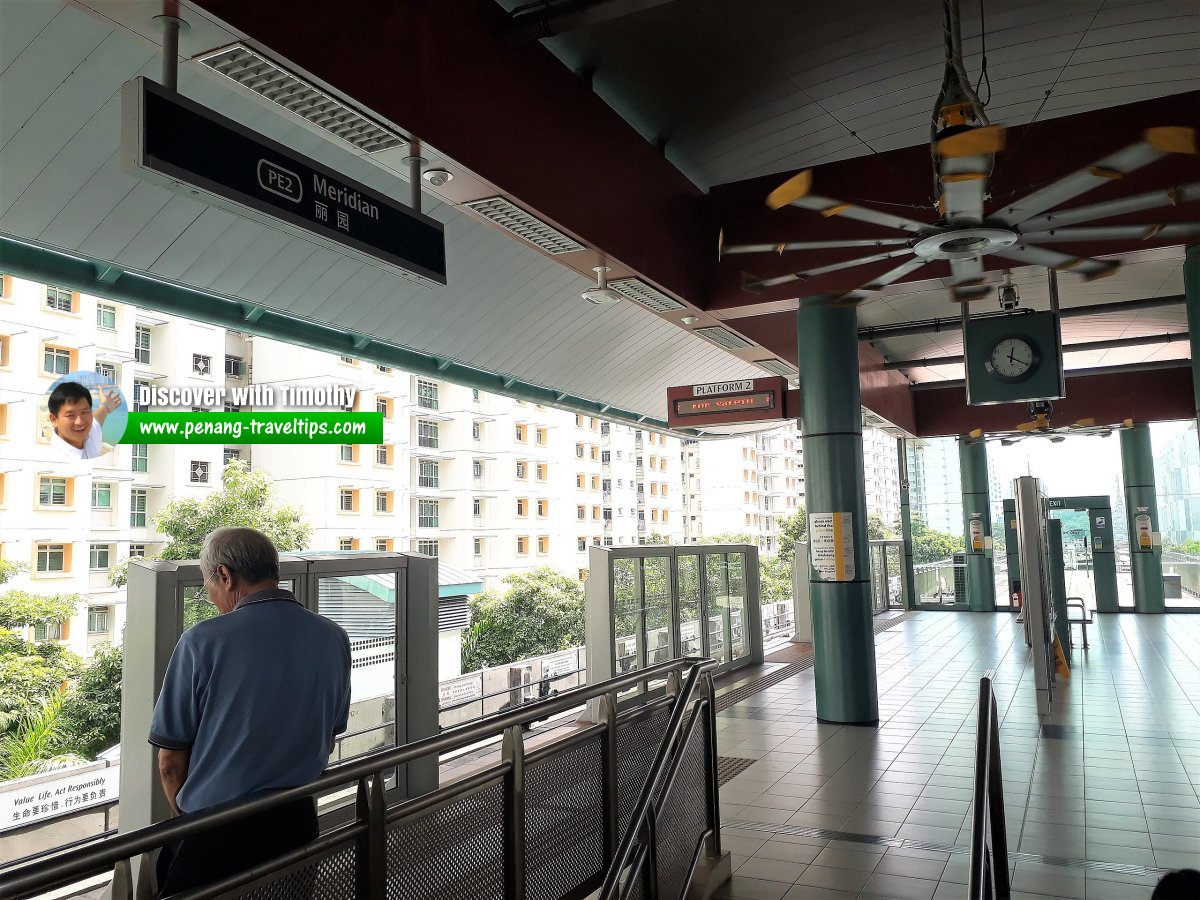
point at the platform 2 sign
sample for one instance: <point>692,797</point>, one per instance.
<point>728,403</point>
<point>173,141</point>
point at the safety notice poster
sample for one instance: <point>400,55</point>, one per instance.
<point>831,545</point>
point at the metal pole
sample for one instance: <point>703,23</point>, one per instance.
<point>1191,286</point>
<point>714,791</point>
<point>415,161</point>
<point>1141,514</point>
<point>611,784</point>
<point>909,580</point>
<point>513,752</point>
<point>977,524</point>
<point>170,50</point>
<point>371,863</point>
<point>840,563</point>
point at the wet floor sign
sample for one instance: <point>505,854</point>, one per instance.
<point>1060,660</point>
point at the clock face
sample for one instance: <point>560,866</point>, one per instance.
<point>1012,359</point>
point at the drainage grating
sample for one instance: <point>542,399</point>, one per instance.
<point>730,767</point>
<point>825,834</point>
<point>750,688</point>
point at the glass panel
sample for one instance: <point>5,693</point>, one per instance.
<point>895,576</point>
<point>878,585</point>
<point>739,622</point>
<point>717,600</point>
<point>687,572</point>
<point>627,626</point>
<point>656,579</point>
<point>365,605</point>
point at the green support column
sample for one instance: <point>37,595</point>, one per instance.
<point>839,559</point>
<point>1104,559</point>
<point>977,524</point>
<point>1058,583</point>
<point>910,581</point>
<point>1191,286</point>
<point>1141,511</point>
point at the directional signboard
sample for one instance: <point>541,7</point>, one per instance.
<point>729,403</point>
<point>176,142</point>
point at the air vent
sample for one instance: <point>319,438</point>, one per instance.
<point>777,367</point>
<point>651,298</point>
<point>724,337</point>
<point>281,87</point>
<point>525,226</point>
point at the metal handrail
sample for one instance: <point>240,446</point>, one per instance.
<point>989,864</point>
<point>65,868</point>
<point>642,827</point>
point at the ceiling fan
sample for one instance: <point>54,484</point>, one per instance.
<point>964,144</point>
<point>1039,426</point>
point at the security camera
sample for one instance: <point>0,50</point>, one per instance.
<point>601,293</point>
<point>1009,298</point>
<point>437,177</point>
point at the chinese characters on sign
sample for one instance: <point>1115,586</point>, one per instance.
<point>831,545</point>
<point>24,803</point>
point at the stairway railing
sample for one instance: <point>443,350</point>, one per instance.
<point>989,860</point>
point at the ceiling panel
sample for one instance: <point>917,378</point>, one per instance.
<point>507,308</point>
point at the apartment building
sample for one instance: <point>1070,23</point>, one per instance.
<point>881,471</point>
<point>489,484</point>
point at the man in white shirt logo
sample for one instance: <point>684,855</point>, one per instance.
<point>77,430</point>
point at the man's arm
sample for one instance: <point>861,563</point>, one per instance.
<point>173,772</point>
<point>109,400</point>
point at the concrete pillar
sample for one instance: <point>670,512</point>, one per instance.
<point>910,581</point>
<point>839,558</point>
<point>1191,286</point>
<point>1141,512</point>
<point>977,524</point>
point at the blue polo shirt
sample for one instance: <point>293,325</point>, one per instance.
<point>257,695</point>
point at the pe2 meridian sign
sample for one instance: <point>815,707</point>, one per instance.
<point>728,403</point>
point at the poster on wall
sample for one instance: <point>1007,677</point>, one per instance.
<point>831,545</point>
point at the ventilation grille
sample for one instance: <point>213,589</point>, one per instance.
<point>651,298</point>
<point>281,87</point>
<point>777,367</point>
<point>525,226</point>
<point>723,337</point>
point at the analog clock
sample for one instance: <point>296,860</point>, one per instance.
<point>1012,359</point>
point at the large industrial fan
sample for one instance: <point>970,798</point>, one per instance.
<point>964,144</point>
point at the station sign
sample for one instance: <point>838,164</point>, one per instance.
<point>173,141</point>
<point>729,403</point>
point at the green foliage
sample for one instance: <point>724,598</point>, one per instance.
<point>930,545</point>
<point>878,530</point>
<point>21,608</point>
<point>38,743</point>
<point>9,570</point>
<point>657,538</point>
<point>792,530</point>
<point>30,673</point>
<point>92,711</point>
<point>733,537</point>
<point>1191,547</point>
<point>540,612</point>
<point>775,574</point>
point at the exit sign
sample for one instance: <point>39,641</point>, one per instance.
<point>729,403</point>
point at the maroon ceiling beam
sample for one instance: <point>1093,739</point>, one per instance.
<point>513,115</point>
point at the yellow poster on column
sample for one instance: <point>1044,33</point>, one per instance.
<point>831,545</point>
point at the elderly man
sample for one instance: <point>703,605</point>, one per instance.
<point>251,703</point>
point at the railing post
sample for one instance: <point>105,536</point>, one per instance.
<point>371,855</point>
<point>651,838</point>
<point>714,796</point>
<point>608,757</point>
<point>996,805</point>
<point>513,753</point>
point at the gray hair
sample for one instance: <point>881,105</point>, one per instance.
<point>247,553</point>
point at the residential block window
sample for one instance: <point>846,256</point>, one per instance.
<point>654,515</point>
<point>593,424</point>
<point>106,316</point>
<point>477,507</point>
<point>578,420</point>
<point>429,473</point>
<point>596,513</point>
<point>580,512</point>
<point>606,457</point>
<point>99,557</point>
<point>386,370</point>
<point>579,450</point>
<point>427,514</point>
<point>52,631</point>
<point>522,546</point>
<point>140,457</point>
<point>595,452</point>
<point>654,488</point>
<point>101,495</point>
<point>580,480</point>
<point>52,492</point>
<point>51,557</point>
<point>543,471</point>
<point>383,545</point>
<point>522,470</point>
<point>608,541</point>
<point>229,454</point>
<point>595,482</point>
<point>476,431</point>
<point>427,433</point>
<point>543,508</point>
<point>137,507</point>
<point>348,453</point>
<point>56,361</point>
<point>427,394</point>
<point>543,544</point>
<point>201,364</point>
<point>477,468</point>
<point>137,551</point>
<point>664,515</point>
<point>663,490</point>
<point>346,543</point>
<point>140,405</point>
<point>522,430</point>
<point>59,299</point>
<point>581,544</point>
<point>474,395</point>
<point>522,506</point>
<point>384,406</point>
<point>541,436</point>
<point>348,360</point>
<point>478,546</point>
<point>141,345</point>
<point>235,367</point>
<point>383,501</point>
<point>5,343</point>
<point>198,472</point>
<point>429,548</point>
<point>348,500</point>
<point>98,620</point>
<point>383,454</point>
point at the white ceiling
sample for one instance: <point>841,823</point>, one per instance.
<point>507,308</point>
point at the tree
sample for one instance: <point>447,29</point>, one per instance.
<point>38,743</point>
<point>792,530</point>
<point>244,501</point>
<point>877,529</point>
<point>540,612</point>
<point>21,609</point>
<point>775,578</point>
<point>930,545</point>
<point>92,710</point>
<point>657,538</point>
<point>735,537</point>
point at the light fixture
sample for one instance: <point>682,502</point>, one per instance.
<point>690,320</point>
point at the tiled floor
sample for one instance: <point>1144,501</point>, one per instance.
<point>1111,780</point>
